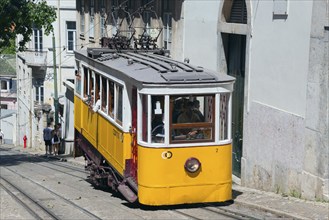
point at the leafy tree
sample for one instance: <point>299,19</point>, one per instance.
<point>19,17</point>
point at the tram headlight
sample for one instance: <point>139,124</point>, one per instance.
<point>192,165</point>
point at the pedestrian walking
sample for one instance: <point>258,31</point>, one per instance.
<point>47,136</point>
<point>56,140</point>
<point>60,135</point>
<point>2,137</point>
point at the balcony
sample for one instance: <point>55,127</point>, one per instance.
<point>34,58</point>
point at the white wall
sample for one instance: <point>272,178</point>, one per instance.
<point>200,32</point>
<point>285,145</point>
<point>8,125</point>
<point>28,124</point>
<point>280,56</point>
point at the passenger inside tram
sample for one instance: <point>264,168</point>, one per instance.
<point>191,118</point>
<point>178,109</point>
<point>196,109</point>
<point>97,105</point>
<point>188,115</point>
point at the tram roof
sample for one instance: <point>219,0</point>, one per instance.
<point>150,67</point>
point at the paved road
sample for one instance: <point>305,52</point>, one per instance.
<point>56,185</point>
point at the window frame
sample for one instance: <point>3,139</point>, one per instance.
<point>167,30</point>
<point>94,80</point>
<point>102,18</point>
<point>68,30</point>
<point>38,39</point>
<point>144,119</point>
<point>92,19</point>
<point>39,93</point>
<point>193,125</point>
<point>82,18</point>
<point>6,83</point>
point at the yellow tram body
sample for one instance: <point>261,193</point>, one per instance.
<point>125,151</point>
<point>174,185</point>
<point>110,141</point>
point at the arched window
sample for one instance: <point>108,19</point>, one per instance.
<point>235,11</point>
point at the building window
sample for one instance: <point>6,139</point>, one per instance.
<point>92,19</point>
<point>71,39</point>
<point>103,21</point>
<point>4,86</point>
<point>147,21</point>
<point>3,106</point>
<point>280,9</point>
<point>37,36</point>
<point>114,18</point>
<point>39,93</point>
<point>238,12</point>
<point>82,17</point>
<point>167,32</point>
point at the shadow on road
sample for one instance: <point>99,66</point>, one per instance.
<point>11,157</point>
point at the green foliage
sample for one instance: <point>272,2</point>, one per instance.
<point>295,193</point>
<point>19,17</point>
<point>9,50</point>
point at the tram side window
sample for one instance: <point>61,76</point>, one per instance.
<point>104,95</point>
<point>85,82</point>
<point>78,81</point>
<point>157,124</point>
<point>88,86</point>
<point>223,116</point>
<point>91,87</point>
<point>97,86</point>
<point>119,104</point>
<point>144,118</point>
<point>111,99</point>
<point>192,118</point>
<point>97,93</point>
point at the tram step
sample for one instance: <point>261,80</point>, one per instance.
<point>127,193</point>
<point>132,183</point>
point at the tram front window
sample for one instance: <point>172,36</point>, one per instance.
<point>192,118</point>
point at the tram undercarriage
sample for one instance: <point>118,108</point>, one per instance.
<point>102,174</point>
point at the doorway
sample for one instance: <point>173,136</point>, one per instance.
<point>236,68</point>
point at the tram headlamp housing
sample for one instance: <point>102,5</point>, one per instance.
<point>192,165</point>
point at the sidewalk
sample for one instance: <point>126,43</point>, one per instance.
<point>285,206</point>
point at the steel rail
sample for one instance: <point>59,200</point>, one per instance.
<point>57,195</point>
<point>25,204</point>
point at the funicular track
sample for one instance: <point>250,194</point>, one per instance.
<point>213,211</point>
<point>37,210</point>
<point>34,204</point>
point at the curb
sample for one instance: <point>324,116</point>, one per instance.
<point>270,210</point>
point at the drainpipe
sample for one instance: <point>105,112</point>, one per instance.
<point>31,108</point>
<point>59,44</point>
<point>55,81</point>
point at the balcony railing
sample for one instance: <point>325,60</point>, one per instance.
<point>35,58</point>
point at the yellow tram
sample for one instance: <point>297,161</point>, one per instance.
<point>155,129</point>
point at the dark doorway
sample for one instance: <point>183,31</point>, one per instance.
<point>235,48</point>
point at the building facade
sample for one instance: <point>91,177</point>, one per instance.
<point>8,98</point>
<point>277,51</point>
<point>35,74</point>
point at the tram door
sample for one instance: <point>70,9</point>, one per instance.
<point>236,47</point>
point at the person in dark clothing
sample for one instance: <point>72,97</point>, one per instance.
<point>196,109</point>
<point>47,136</point>
<point>157,124</point>
<point>178,109</point>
